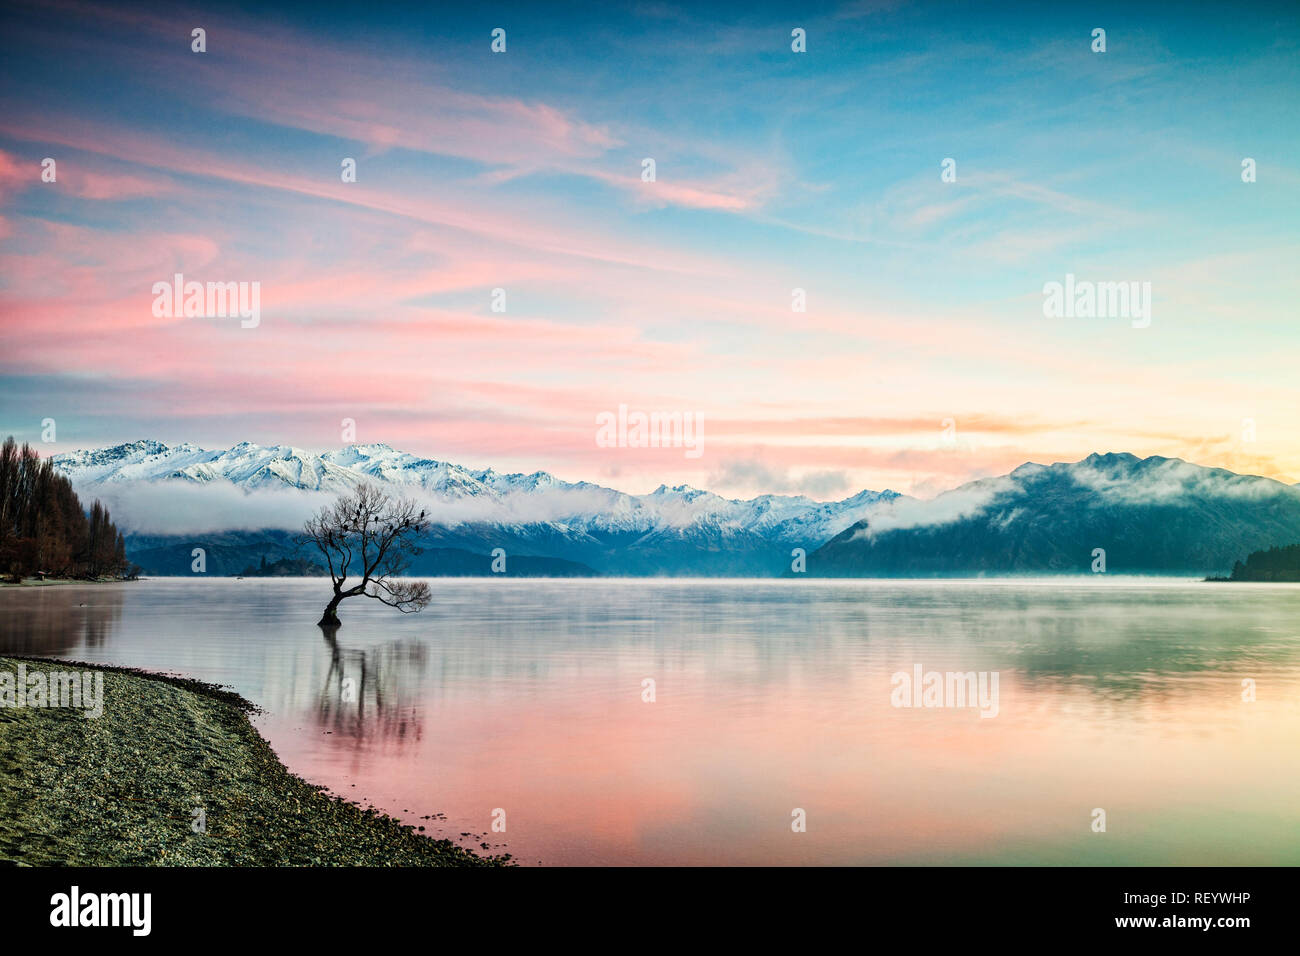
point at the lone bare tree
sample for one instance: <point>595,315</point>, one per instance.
<point>368,536</point>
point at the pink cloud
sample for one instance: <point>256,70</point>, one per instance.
<point>384,102</point>
<point>74,179</point>
<point>13,176</point>
<point>481,218</point>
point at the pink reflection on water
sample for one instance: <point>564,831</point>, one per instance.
<point>708,775</point>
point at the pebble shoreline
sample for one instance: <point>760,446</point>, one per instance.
<point>123,789</point>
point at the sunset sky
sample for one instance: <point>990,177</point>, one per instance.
<point>775,170</point>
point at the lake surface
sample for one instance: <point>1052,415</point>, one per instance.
<point>769,698</point>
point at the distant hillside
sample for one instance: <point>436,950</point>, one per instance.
<point>1275,564</point>
<point>1149,516</point>
<point>242,553</point>
<point>454,562</point>
<point>284,568</point>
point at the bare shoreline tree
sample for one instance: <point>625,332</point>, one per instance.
<point>368,536</point>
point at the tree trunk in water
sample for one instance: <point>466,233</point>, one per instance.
<point>331,618</point>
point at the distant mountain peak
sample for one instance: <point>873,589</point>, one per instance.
<point>1110,458</point>
<point>1150,515</point>
<point>679,490</point>
<point>537,500</point>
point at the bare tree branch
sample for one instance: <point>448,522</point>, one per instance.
<point>379,532</point>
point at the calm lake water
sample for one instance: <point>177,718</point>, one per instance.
<point>769,697</point>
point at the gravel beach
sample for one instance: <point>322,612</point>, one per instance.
<point>125,789</point>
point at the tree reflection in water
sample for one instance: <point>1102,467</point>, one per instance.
<point>55,620</point>
<point>372,694</point>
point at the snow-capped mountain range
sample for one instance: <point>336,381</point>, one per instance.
<point>463,502</point>
<point>1149,515</point>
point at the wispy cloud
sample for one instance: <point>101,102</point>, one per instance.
<point>521,174</point>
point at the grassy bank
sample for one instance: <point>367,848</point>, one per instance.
<point>121,789</point>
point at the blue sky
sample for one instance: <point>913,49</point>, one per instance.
<point>775,170</point>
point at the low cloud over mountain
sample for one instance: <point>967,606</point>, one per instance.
<point>1153,515</point>
<point>160,491</point>
<point>1149,516</point>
